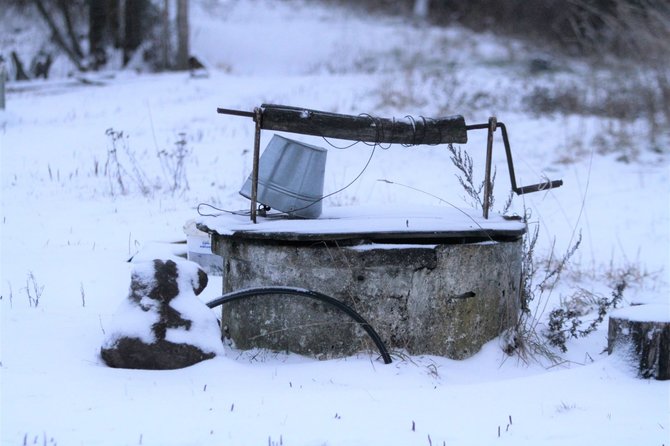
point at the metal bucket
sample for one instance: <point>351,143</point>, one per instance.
<point>290,177</point>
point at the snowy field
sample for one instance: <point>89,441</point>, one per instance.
<point>69,227</point>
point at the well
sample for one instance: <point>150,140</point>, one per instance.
<point>431,280</point>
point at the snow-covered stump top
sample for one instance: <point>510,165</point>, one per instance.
<point>162,324</point>
<point>640,334</point>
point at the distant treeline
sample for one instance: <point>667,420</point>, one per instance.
<point>625,28</point>
<point>90,32</point>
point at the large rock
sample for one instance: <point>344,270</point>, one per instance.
<point>162,324</point>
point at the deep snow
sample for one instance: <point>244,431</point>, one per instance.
<point>67,233</point>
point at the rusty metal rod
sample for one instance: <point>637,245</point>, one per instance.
<point>508,154</point>
<point>549,184</point>
<point>487,173</point>
<point>258,117</point>
<point>519,190</point>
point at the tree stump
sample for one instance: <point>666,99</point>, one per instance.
<point>641,335</point>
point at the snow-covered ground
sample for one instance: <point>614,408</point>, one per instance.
<point>68,230</point>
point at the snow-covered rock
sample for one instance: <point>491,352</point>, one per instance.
<point>162,325</point>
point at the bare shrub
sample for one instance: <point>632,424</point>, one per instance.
<point>616,137</point>
<point>566,321</point>
<point>122,167</point>
<point>538,280</point>
<point>33,290</point>
<point>475,191</point>
<point>422,83</point>
<point>612,95</point>
<point>556,99</point>
<point>125,172</point>
<point>173,164</point>
<point>626,97</point>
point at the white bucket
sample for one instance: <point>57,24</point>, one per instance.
<point>199,249</point>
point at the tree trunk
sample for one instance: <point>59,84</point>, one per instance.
<point>97,32</point>
<point>18,68</point>
<point>134,32</point>
<point>641,336</point>
<point>64,7</point>
<point>57,36</point>
<point>182,34</point>
<point>421,8</point>
<point>3,79</point>
<point>165,35</point>
<point>116,22</point>
<point>104,30</point>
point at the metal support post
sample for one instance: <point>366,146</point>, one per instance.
<point>487,175</point>
<point>258,117</point>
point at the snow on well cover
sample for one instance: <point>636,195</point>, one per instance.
<point>370,219</point>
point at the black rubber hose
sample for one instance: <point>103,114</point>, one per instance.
<point>250,292</point>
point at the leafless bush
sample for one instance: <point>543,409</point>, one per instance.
<point>538,280</point>
<point>619,94</point>
<point>557,98</point>
<point>11,294</point>
<point>566,321</point>
<point>33,291</point>
<point>625,96</point>
<point>125,172</point>
<point>122,167</point>
<point>173,164</point>
<point>616,137</point>
<point>572,319</point>
<point>475,191</point>
<point>419,88</point>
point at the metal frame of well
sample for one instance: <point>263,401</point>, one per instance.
<point>367,128</point>
<point>370,129</point>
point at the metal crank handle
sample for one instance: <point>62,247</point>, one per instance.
<point>227,111</point>
<point>538,187</point>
